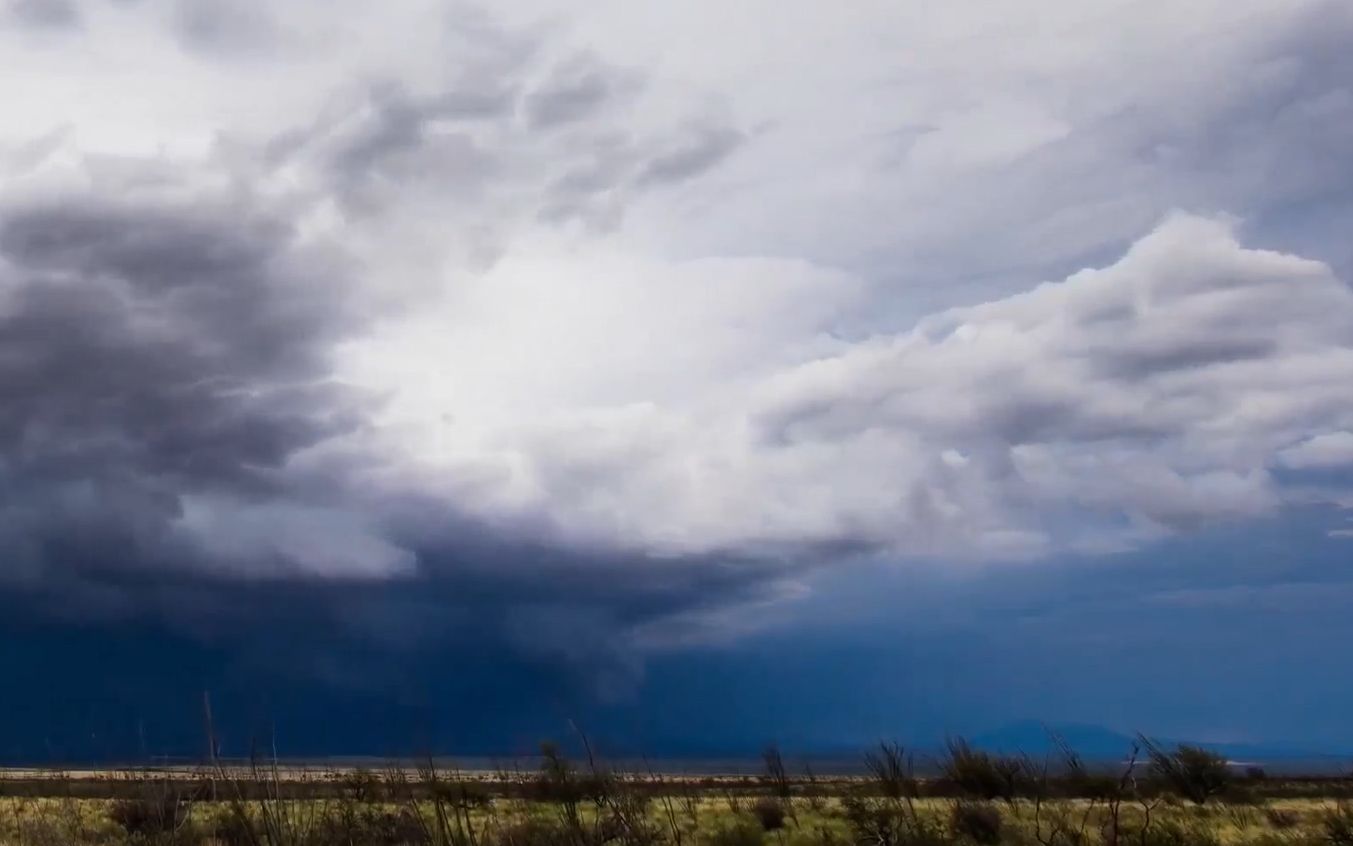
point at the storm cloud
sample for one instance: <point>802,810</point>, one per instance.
<point>583,338</point>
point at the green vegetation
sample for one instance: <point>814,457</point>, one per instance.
<point>1179,796</point>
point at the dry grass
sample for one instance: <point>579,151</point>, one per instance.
<point>978,800</point>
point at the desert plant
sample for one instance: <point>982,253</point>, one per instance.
<point>155,817</point>
<point>770,813</point>
<point>892,770</point>
<point>978,822</point>
<point>1192,772</point>
<point>368,826</point>
<point>875,821</point>
<point>978,774</point>
<point>776,778</point>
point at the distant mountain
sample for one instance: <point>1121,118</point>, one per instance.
<point>1098,743</point>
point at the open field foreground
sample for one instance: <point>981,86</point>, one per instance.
<point>1180,797</point>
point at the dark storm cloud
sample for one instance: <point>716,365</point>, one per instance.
<point>150,350</point>
<point>161,362</point>
<point>165,357</point>
<point>477,594</point>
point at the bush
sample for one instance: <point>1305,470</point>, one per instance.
<point>150,817</point>
<point>979,774</point>
<point>362,785</point>
<point>891,768</point>
<point>234,829</point>
<point>1193,772</point>
<point>770,813</point>
<point>978,822</point>
<point>370,827</point>
<point>888,823</point>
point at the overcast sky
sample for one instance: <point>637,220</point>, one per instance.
<point>590,352</point>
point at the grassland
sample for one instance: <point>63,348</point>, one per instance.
<point>1176,797</point>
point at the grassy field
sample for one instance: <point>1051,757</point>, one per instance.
<point>1179,797</point>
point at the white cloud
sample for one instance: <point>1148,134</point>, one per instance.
<point>657,279</point>
<point>706,410</point>
<point>1333,449</point>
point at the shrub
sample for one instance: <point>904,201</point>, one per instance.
<point>149,817</point>
<point>234,829</point>
<point>361,785</point>
<point>770,813</point>
<point>888,823</point>
<point>979,774</point>
<point>1193,772</point>
<point>370,827</point>
<point>978,822</point>
<point>892,770</point>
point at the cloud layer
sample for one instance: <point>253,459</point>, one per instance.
<point>1149,396</point>
<point>542,325</point>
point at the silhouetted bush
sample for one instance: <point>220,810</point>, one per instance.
<point>150,817</point>
<point>892,771</point>
<point>1193,772</point>
<point>979,774</point>
<point>770,813</point>
<point>976,821</point>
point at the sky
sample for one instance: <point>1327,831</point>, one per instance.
<point>431,374</point>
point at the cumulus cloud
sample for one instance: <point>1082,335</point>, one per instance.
<point>1331,449</point>
<point>548,327</point>
<point>1149,396</point>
